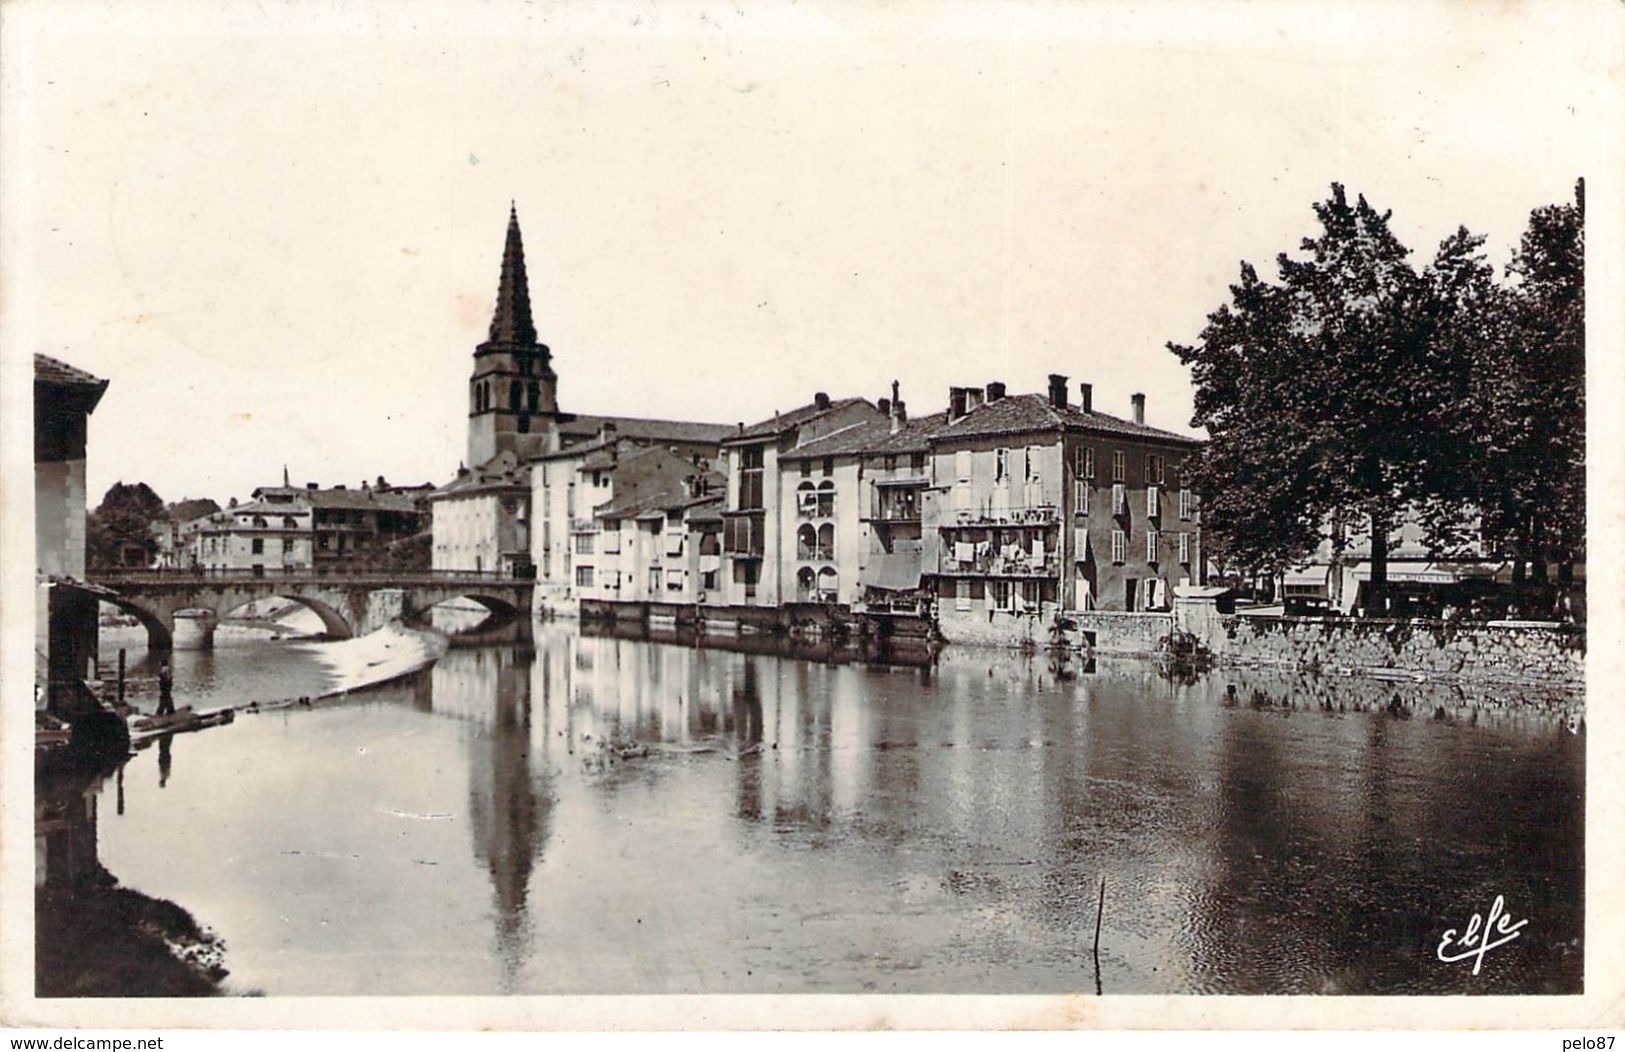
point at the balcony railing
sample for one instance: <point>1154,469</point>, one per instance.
<point>1037,515</point>
<point>1000,566</point>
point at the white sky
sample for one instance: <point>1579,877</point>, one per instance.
<point>277,230</point>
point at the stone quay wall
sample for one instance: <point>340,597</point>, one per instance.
<point>1513,653</point>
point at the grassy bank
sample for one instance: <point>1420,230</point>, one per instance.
<point>114,942</point>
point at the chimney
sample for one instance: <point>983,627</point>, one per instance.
<point>821,400</point>
<point>1086,395</point>
<point>973,398</point>
<point>885,406</point>
<point>1139,407</point>
<point>1057,390</point>
<point>995,391</point>
<point>956,403</point>
<point>607,431</point>
<point>311,486</point>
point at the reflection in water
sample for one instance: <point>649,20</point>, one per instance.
<point>604,814</point>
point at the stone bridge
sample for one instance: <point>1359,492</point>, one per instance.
<point>349,602</point>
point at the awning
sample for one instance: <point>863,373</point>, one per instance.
<point>710,563</point>
<point>1080,544</point>
<point>1306,577</point>
<point>1402,571</point>
<point>911,480</point>
<point>893,571</point>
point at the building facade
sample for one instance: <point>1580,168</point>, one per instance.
<point>1041,507</point>
<point>286,528</point>
<point>65,609</point>
<point>763,516</point>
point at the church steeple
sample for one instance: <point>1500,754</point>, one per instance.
<point>513,398</point>
<point>511,322</point>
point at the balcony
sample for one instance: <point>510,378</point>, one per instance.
<point>1000,566</point>
<point>583,526</point>
<point>973,518</point>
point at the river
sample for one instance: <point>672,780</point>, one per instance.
<point>491,825</point>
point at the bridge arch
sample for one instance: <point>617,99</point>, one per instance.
<point>334,623</point>
<point>160,625</point>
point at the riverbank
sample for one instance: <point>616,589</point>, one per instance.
<point>114,942</point>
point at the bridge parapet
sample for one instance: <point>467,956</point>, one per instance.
<point>180,576</point>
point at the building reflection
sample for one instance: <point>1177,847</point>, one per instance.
<point>510,799</point>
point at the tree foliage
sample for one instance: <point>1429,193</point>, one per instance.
<point>1353,391</point>
<point>119,531</point>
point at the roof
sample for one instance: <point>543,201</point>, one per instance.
<point>352,499</point>
<point>74,388</point>
<point>55,371</point>
<point>873,435</point>
<point>510,322</point>
<point>501,473</point>
<point>581,424</point>
<point>656,480</point>
<point>1015,414</point>
<point>782,422</point>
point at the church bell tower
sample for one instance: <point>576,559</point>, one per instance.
<point>513,392</point>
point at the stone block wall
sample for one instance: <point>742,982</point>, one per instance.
<point>1505,653</point>
<point>1117,632</point>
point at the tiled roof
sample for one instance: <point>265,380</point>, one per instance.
<point>362,500</point>
<point>671,495</point>
<point>54,371</point>
<point>1016,414</point>
<point>501,472</point>
<point>872,436</point>
<point>785,421</point>
<point>580,424</point>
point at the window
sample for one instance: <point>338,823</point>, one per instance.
<point>289,522</point>
<point>806,467</point>
<point>1001,464</point>
<point>806,542</point>
<point>891,462</point>
<point>1185,505</point>
<point>961,594</point>
<point>515,393</point>
<point>674,542</point>
<point>1119,542</point>
<point>1001,595</point>
<point>1153,506</point>
<point>1119,499</point>
<point>826,541</point>
<point>524,425</point>
<point>1081,488</point>
<point>828,584</point>
<point>583,577</point>
<point>916,461</point>
<point>259,521</point>
<point>258,546</point>
<point>826,499</point>
<point>1185,549</point>
<point>806,500</point>
<point>829,465</point>
<point>1119,465</point>
<point>750,478</point>
<point>583,544</point>
<point>287,545</point>
<point>1032,464</point>
<point>676,580</point>
<point>708,580</point>
<point>1086,462</point>
<point>1150,546</point>
<point>535,393</point>
<point>1153,468</point>
<point>654,579</point>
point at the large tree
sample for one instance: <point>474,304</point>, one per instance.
<point>119,531</point>
<point>1316,391</point>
